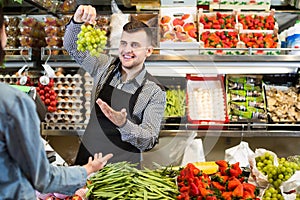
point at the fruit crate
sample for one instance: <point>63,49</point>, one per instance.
<point>220,42</point>
<point>176,3</point>
<point>260,42</point>
<point>257,21</point>
<point>178,30</point>
<point>216,20</point>
<point>245,99</point>
<point>240,4</point>
<point>206,101</point>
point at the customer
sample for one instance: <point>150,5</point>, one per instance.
<point>128,103</point>
<point>24,164</point>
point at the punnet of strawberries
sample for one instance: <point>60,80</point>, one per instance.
<point>228,183</point>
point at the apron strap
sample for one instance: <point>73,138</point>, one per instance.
<point>108,76</point>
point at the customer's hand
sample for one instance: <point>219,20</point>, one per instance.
<point>85,13</point>
<point>116,117</point>
<point>97,163</point>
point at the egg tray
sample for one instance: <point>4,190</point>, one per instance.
<point>69,105</point>
<point>76,78</point>
<point>64,118</point>
<point>218,115</point>
<point>64,126</point>
<point>70,100</point>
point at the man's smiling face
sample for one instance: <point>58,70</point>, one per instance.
<point>134,49</point>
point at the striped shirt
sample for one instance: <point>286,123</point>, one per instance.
<point>149,106</point>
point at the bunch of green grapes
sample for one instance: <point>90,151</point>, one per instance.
<point>275,174</point>
<point>265,163</point>
<point>285,170</point>
<point>272,193</point>
<point>92,39</point>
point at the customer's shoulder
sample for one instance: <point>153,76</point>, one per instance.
<point>7,90</point>
<point>9,93</point>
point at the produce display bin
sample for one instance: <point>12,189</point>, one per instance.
<point>178,3</point>
<point>282,98</point>
<point>217,20</point>
<point>240,4</point>
<point>212,40</point>
<point>206,101</point>
<point>178,30</point>
<point>257,21</point>
<point>260,42</point>
<point>245,99</point>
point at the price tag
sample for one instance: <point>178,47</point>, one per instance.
<point>20,71</point>
<point>23,80</point>
<point>44,80</point>
<point>49,71</point>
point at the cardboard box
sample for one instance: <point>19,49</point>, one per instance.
<point>257,21</point>
<point>217,20</point>
<point>214,41</point>
<point>179,48</point>
<point>178,30</point>
<point>178,3</point>
<point>260,42</point>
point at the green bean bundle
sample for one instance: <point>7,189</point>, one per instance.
<point>123,181</point>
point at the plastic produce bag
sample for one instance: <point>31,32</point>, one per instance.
<point>118,20</point>
<point>258,176</point>
<point>239,153</point>
<point>168,152</point>
<point>291,187</point>
<point>193,151</point>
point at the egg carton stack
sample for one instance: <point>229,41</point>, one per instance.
<point>14,79</point>
<point>9,79</point>
<point>88,86</point>
<point>69,114</point>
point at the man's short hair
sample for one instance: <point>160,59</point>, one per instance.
<point>135,26</point>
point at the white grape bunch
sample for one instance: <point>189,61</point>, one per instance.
<point>91,39</point>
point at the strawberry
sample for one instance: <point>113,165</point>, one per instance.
<point>222,163</point>
<point>247,195</point>
<point>227,195</point>
<point>252,189</point>
<point>218,186</point>
<point>219,178</point>
<point>205,192</point>
<point>233,182</point>
<point>238,191</point>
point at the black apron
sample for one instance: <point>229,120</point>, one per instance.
<point>101,135</point>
